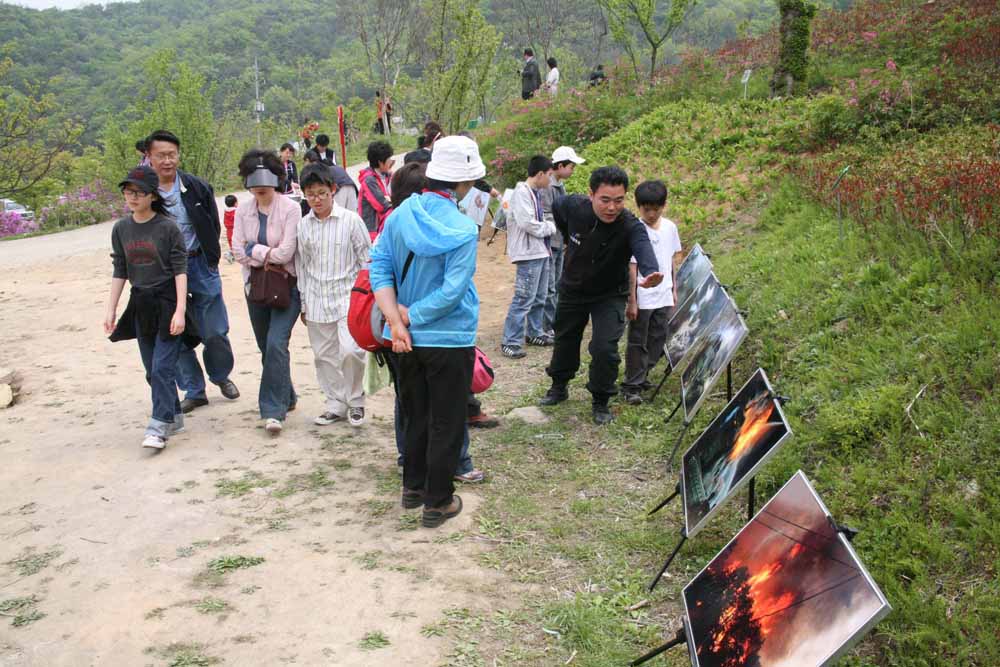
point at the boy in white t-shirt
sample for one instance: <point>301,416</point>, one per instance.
<point>650,309</point>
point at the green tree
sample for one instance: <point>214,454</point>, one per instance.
<point>654,20</point>
<point>32,142</point>
<point>174,97</point>
<point>461,51</point>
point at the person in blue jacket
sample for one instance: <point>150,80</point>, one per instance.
<point>421,271</point>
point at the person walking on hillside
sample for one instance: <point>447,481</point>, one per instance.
<point>422,272</point>
<point>191,203</point>
<point>528,236</point>
<point>597,77</point>
<point>552,78</point>
<point>564,161</point>
<point>531,78</point>
<point>383,114</point>
<point>266,237</point>
<point>332,248</point>
<point>148,251</point>
<point>602,238</point>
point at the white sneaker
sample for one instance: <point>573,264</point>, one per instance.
<point>327,418</point>
<point>356,416</point>
<point>154,442</point>
<point>273,426</point>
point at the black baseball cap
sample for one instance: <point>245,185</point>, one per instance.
<point>142,177</point>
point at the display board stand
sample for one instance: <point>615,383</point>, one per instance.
<point>673,555</point>
<point>679,638</point>
<point>665,501</point>
<point>656,392</point>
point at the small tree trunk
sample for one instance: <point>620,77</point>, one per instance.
<point>793,54</point>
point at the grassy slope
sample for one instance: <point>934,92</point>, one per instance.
<point>869,322</point>
<point>852,328</point>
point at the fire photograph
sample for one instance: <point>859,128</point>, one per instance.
<point>787,591</point>
<point>731,450</point>
<point>692,272</point>
<point>692,320</point>
<point>708,360</point>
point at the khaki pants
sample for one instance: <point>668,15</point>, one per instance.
<point>340,365</point>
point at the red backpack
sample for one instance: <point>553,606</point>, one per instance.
<point>364,319</point>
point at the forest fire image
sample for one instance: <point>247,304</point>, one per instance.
<point>731,449</point>
<point>786,592</point>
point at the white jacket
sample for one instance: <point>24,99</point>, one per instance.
<point>526,234</point>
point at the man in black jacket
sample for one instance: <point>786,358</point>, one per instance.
<point>602,237</point>
<point>191,203</point>
<point>531,78</point>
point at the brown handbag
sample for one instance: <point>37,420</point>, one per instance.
<point>271,285</point>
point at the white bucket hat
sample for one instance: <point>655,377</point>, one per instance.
<point>454,160</point>
<point>566,153</point>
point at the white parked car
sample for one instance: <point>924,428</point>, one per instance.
<point>11,205</point>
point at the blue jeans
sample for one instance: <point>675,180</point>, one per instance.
<point>159,357</point>
<point>209,312</point>
<point>530,289</point>
<point>464,459</point>
<point>272,327</point>
<point>555,272</point>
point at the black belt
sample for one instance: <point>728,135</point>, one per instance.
<point>194,253</point>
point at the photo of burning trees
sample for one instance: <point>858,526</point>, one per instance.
<point>788,591</point>
<point>691,273</point>
<point>731,450</point>
<point>694,318</point>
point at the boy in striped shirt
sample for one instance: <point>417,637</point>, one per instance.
<point>333,246</point>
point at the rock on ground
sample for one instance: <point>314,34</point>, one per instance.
<point>529,415</point>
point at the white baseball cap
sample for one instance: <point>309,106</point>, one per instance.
<point>455,159</point>
<point>566,153</point>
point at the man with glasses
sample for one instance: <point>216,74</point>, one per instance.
<point>191,203</point>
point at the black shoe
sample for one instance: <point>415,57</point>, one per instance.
<point>555,395</point>
<point>189,404</point>
<point>633,398</point>
<point>602,414</point>
<point>229,390</point>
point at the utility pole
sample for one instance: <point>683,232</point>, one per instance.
<point>258,105</point>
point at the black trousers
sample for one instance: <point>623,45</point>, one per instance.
<point>647,335</point>
<point>527,95</point>
<point>433,387</point>
<point>607,317</point>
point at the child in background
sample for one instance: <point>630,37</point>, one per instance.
<point>374,202</point>
<point>649,309</point>
<point>148,251</point>
<point>528,242</point>
<point>229,220</point>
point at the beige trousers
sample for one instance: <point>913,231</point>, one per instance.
<point>340,365</point>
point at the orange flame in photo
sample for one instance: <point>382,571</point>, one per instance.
<point>756,422</point>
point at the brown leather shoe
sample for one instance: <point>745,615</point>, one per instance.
<point>433,518</point>
<point>483,420</point>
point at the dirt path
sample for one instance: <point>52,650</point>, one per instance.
<point>117,545</point>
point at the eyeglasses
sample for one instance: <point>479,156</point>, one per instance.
<point>317,195</point>
<point>165,156</point>
<point>136,194</point>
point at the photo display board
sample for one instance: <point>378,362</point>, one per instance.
<point>475,205</point>
<point>709,358</point>
<point>787,591</point>
<point>731,450</point>
<point>692,272</point>
<point>500,217</point>
<point>694,319</point>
